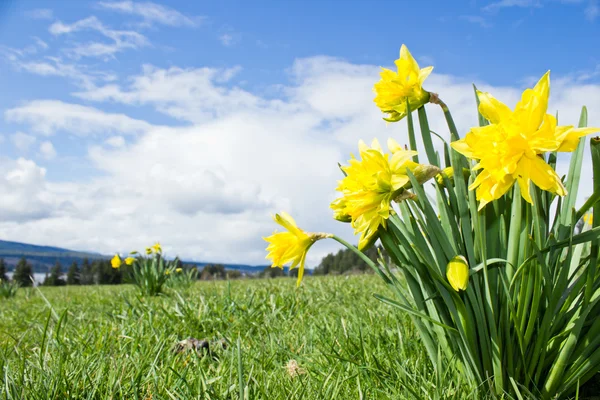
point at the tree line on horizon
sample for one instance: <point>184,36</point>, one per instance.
<point>100,272</point>
<point>346,261</point>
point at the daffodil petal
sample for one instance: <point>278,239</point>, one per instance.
<point>493,110</point>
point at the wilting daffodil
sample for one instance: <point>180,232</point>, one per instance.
<point>115,262</point>
<point>457,272</point>
<point>371,184</point>
<point>292,245</point>
<point>395,89</point>
<point>511,148</point>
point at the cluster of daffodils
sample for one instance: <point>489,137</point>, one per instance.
<point>493,271</point>
<point>117,262</point>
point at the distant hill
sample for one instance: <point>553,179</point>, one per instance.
<point>42,258</point>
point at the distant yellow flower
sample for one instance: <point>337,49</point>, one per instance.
<point>588,218</point>
<point>168,272</point>
<point>396,88</point>
<point>149,250</point>
<point>371,184</point>
<point>178,270</point>
<point>156,248</point>
<point>511,148</point>
<point>129,260</point>
<point>292,245</point>
<point>116,261</point>
<point>457,272</point>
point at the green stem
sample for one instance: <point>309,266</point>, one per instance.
<point>366,259</point>
<point>435,99</point>
<point>411,131</point>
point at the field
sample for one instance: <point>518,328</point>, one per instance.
<point>106,342</point>
<point>330,339</point>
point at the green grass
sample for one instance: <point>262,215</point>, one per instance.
<point>102,342</point>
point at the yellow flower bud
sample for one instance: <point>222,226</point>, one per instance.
<point>338,206</point>
<point>449,172</point>
<point>129,260</point>
<point>457,272</point>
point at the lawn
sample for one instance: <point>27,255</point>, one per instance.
<point>329,339</point>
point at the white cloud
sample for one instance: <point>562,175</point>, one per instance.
<point>121,40</point>
<point>55,66</point>
<point>512,3</point>
<point>40,13</point>
<point>47,150</point>
<point>477,20</point>
<point>22,141</point>
<point>40,43</point>
<point>206,190</point>
<point>152,13</point>
<point>115,141</point>
<point>24,193</point>
<point>49,116</point>
<point>195,95</point>
<point>592,11</point>
<point>226,39</point>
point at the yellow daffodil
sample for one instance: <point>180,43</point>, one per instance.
<point>168,272</point>
<point>149,250</point>
<point>290,246</point>
<point>116,261</point>
<point>129,260</point>
<point>395,89</point>
<point>457,272</point>
<point>511,148</point>
<point>178,270</point>
<point>588,218</point>
<point>156,248</point>
<point>371,184</point>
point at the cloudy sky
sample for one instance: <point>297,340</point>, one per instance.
<point>191,122</point>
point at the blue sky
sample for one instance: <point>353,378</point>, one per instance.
<point>103,101</point>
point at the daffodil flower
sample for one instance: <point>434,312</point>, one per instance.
<point>396,89</point>
<point>511,148</point>
<point>129,260</point>
<point>371,184</point>
<point>115,262</point>
<point>292,245</point>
